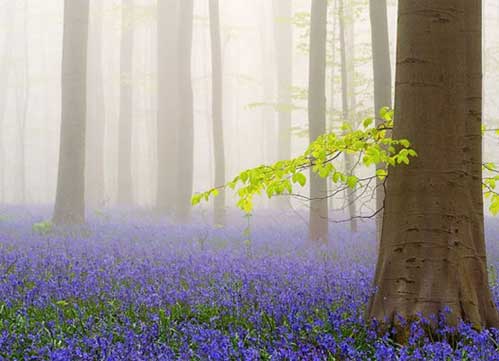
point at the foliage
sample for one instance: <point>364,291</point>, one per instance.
<point>42,228</point>
<point>372,145</point>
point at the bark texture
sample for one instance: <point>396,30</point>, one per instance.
<point>70,196</point>
<point>168,104</point>
<point>217,112</point>
<point>317,117</point>
<point>432,250</point>
<point>382,79</point>
<point>185,155</point>
<point>125,185</point>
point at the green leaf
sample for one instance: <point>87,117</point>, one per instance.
<point>381,173</point>
<point>352,181</point>
<point>367,122</point>
<point>300,179</point>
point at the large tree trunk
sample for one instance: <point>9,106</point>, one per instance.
<point>168,104</point>
<point>185,155</point>
<point>382,80</point>
<point>96,119</point>
<point>217,113</point>
<point>317,116</point>
<point>70,196</point>
<point>432,251</point>
<point>347,91</point>
<point>125,185</point>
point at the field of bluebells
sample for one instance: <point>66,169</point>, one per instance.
<point>127,287</point>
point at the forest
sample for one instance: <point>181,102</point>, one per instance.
<point>249,180</point>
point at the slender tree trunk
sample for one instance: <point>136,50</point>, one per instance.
<point>70,196</point>
<point>125,184</point>
<point>317,116</point>
<point>283,30</point>
<point>267,72</point>
<point>4,81</point>
<point>347,115</point>
<point>168,104</point>
<point>217,110</point>
<point>382,80</point>
<point>22,105</point>
<point>432,250</point>
<point>283,10</point>
<point>96,111</point>
<point>332,83</point>
<point>185,155</point>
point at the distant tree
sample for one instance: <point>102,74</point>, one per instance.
<point>382,78</point>
<point>4,80</point>
<point>125,183</point>
<point>70,196</point>
<point>96,111</point>
<point>217,109</point>
<point>185,154</point>
<point>347,91</point>
<point>283,38</point>
<point>168,120</point>
<point>317,116</point>
<point>23,88</point>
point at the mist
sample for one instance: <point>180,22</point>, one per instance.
<point>245,171</point>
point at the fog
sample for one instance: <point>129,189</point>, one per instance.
<point>30,97</point>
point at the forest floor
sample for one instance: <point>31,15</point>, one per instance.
<point>127,287</point>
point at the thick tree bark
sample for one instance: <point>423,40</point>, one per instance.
<point>125,183</point>
<point>382,80</point>
<point>185,155</point>
<point>346,92</point>
<point>168,104</point>
<point>217,110</point>
<point>317,117</point>
<point>96,112</point>
<point>70,197</point>
<point>432,250</point>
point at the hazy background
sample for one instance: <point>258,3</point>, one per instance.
<point>30,55</point>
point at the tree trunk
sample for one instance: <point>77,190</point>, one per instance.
<point>168,104</point>
<point>96,119</point>
<point>4,82</point>
<point>432,250</point>
<point>70,196</point>
<point>283,30</point>
<point>317,116</point>
<point>22,106</point>
<point>185,155</point>
<point>382,80</point>
<point>332,82</point>
<point>125,185</point>
<point>217,113</point>
<point>346,88</point>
